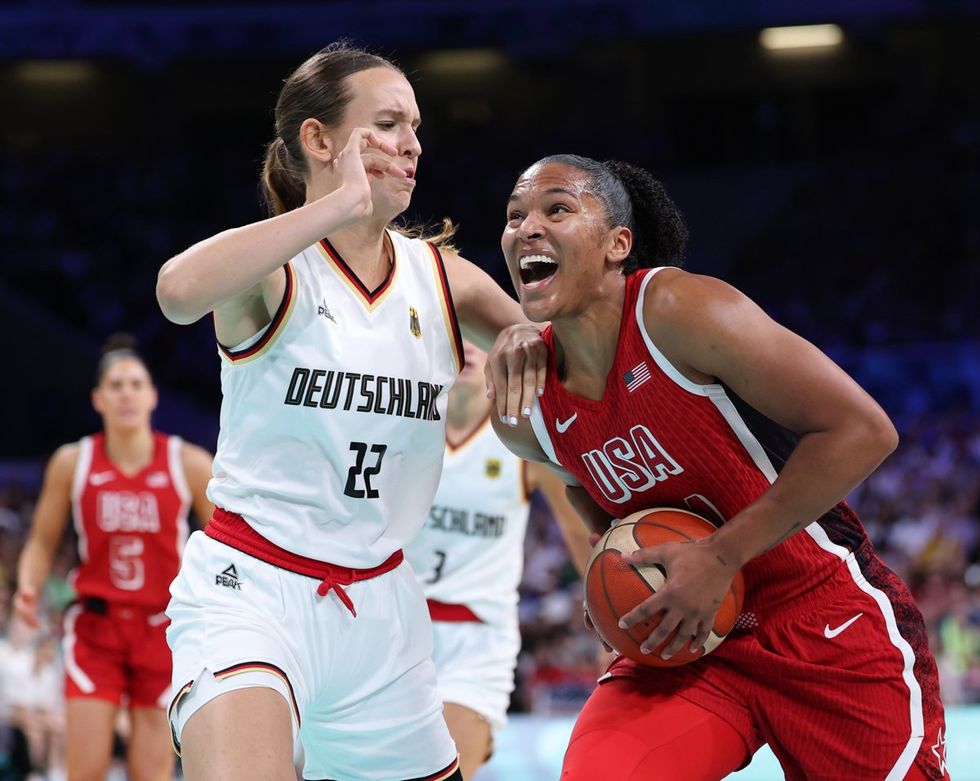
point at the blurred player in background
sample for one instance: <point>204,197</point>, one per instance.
<point>129,490</point>
<point>295,629</point>
<point>469,558</point>
<point>666,388</point>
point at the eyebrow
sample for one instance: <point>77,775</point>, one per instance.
<point>549,191</point>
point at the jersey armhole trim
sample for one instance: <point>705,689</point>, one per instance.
<point>86,446</point>
<point>540,429</point>
<point>249,350</point>
<point>448,308</point>
<point>710,389</point>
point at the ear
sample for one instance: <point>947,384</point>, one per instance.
<point>97,401</point>
<point>316,141</point>
<point>619,244</point>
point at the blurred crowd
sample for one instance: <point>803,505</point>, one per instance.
<point>921,509</point>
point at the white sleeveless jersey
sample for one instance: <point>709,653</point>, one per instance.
<point>333,416</point>
<point>471,549</point>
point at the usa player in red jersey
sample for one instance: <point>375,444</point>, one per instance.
<point>667,388</point>
<point>129,490</point>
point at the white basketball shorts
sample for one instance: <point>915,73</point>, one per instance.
<point>361,689</point>
<point>475,666</point>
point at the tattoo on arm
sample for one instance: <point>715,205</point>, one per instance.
<point>789,533</point>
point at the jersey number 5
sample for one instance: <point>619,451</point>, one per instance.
<point>360,450</point>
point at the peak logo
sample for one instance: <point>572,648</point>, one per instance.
<point>228,577</point>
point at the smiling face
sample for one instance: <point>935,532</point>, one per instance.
<point>383,101</point>
<point>558,244</point>
<point>125,396</point>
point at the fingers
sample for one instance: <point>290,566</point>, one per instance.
<point>686,629</point>
<point>362,139</point>
<point>645,556</point>
<point>496,374</point>
<point>587,619</point>
<point>515,386</point>
<point>379,167</point>
<point>25,606</point>
<point>541,360</point>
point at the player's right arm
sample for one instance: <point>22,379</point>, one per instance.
<point>47,528</point>
<point>238,273</point>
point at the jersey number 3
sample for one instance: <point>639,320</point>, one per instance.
<point>360,450</point>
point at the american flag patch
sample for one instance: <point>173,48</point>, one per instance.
<point>636,376</point>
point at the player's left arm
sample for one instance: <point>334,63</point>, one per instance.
<point>493,321</point>
<point>573,529</point>
<point>197,469</point>
<point>712,332</point>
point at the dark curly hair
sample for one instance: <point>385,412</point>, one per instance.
<point>634,198</point>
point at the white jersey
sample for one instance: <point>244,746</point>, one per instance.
<point>471,550</point>
<point>333,416</point>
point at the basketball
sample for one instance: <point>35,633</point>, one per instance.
<point>613,587</point>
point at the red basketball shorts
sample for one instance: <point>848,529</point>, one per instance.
<point>840,684</point>
<point>112,651</point>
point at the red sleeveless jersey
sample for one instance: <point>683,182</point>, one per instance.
<point>131,530</point>
<point>656,439</point>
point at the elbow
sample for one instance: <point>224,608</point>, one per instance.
<point>881,436</point>
<point>174,297</point>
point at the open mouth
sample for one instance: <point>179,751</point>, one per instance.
<point>537,268</point>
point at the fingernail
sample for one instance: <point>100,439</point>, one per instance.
<point>622,624</point>
<point>644,649</point>
<point>503,419</point>
<point>665,655</point>
<point>513,420</point>
<point>526,412</point>
<point>541,391</point>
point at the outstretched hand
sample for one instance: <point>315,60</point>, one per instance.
<point>25,606</point>
<point>515,371</point>
<point>697,580</point>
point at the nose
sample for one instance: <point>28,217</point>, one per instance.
<point>530,229</point>
<point>410,146</point>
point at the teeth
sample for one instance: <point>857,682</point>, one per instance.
<point>527,260</point>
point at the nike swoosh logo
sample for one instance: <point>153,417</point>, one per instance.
<point>830,634</point>
<point>98,478</point>
<point>562,425</point>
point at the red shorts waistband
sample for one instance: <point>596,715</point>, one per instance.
<point>441,611</point>
<point>232,530</point>
<point>105,607</point>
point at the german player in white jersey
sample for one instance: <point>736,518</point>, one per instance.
<point>295,627</point>
<point>469,557</point>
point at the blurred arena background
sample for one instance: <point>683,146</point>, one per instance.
<point>835,179</point>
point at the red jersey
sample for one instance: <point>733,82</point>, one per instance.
<point>131,530</point>
<point>656,439</point>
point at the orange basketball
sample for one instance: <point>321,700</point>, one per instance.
<point>613,587</point>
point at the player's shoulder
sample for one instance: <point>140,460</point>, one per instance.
<point>674,295</point>
<point>192,455</point>
<point>64,460</point>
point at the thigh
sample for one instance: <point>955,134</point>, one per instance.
<point>856,689</point>
<point>94,657</point>
<point>89,734</point>
<point>245,733</point>
<point>149,756</point>
<point>471,733</point>
<point>628,731</point>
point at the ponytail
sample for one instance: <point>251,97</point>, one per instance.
<point>659,232</point>
<point>282,188</point>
